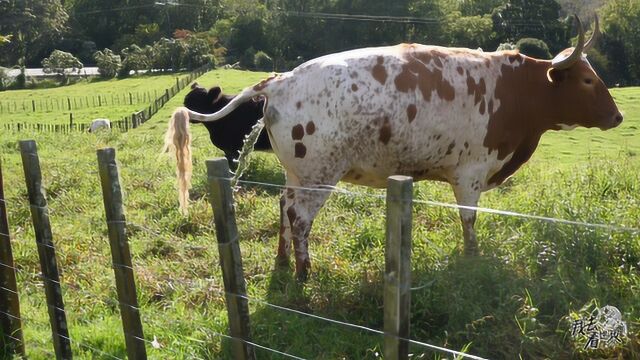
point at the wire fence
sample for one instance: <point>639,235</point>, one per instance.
<point>245,184</point>
<point>126,123</point>
<point>70,103</point>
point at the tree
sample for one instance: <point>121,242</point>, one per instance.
<point>538,19</point>
<point>533,47</point>
<point>61,63</point>
<point>108,63</point>
<point>621,40</point>
<point>262,61</point>
<point>33,26</point>
<point>136,59</point>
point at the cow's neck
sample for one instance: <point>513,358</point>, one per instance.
<point>527,105</point>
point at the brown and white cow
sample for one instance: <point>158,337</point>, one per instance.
<point>466,117</point>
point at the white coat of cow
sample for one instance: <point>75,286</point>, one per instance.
<point>466,117</point>
<point>99,124</point>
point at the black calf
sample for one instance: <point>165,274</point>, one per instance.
<point>228,133</point>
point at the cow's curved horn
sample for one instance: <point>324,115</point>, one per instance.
<point>561,62</point>
<point>594,37</point>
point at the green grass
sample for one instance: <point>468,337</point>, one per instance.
<point>515,300</point>
<point>52,105</point>
<point>565,147</point>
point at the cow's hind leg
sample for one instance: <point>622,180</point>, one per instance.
<point>299,206</point>
<point>468,194</point>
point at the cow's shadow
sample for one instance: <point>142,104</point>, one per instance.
<point>460,294</point>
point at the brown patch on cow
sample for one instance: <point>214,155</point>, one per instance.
<point>482,107</point>
<point>301,150</point>
<point>311,128</point>
<point>411,112</point>
<point>379,72</point>
<point>297,132</point>
<point>298,105</point>
<point>354,87</point>
<point>290,193</point>
<point>450,148</point>
<point>490,107</point>
<point>460,70</point>
<point>516,126</point>
<point>415,74</point>
<point>292,215</point>
<point>262,84</point>
<point>478,90</point>
<point>385,131</point>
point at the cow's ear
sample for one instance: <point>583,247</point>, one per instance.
<point>214,94</point>
<point>557,76</point>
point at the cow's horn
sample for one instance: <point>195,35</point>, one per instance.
<point>594,36</point>
<point>560,62</point>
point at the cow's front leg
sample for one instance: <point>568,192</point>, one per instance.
<point>231,157</point>
<point>468,194</point>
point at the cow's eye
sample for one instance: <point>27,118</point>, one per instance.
<point>588,81</point>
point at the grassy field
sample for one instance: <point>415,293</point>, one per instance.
<point>52,106</point>
<point>516,300</point>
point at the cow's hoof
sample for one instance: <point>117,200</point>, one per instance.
<point>282,261</point>
<point>302,275</point>
<point>471,252</point>
<point>302,270</point>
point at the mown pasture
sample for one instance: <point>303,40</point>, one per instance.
<point>111,99</point>
<point>516,300</point>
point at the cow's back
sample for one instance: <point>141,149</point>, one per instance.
<point>407,109</point>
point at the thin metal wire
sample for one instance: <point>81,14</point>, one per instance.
<point>8,290</point>
<point>359,327</point>
<point>90,347</point>
<point>454,206</point>
<point>254,344</point>
<point>10,315</point>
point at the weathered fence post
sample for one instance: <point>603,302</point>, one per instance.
<point>9,300</point>
<point>221,198</point>
<point>120,254</point>
<point>397,278</point>
<point>46,249</point>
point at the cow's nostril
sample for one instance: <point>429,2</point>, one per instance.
<point>618,118</point>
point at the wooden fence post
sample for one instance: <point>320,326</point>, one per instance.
<point>46,250</point>
<point>120,254</point>
<point>397,278</point>
<point>9,300</point>
<point>221,198</point>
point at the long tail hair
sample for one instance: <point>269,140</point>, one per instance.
<point>177,139</point>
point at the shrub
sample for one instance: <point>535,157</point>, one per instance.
<point>246,60</point>
<point>198,52</point>
<point>60,62</point>
<point>506,46</point>
<point>262,61</point>
<point>534,47</point>
<point>108,63</point>
<point>5,80</point>
<point>136,59</point>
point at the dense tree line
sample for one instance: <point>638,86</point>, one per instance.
<point>282,33</point>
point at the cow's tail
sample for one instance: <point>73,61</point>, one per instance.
<point>178,140</point>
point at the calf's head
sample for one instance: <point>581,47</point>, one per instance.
<point>583,97</point>
<point>205,101</point>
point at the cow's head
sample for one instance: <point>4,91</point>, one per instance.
<point>204,101</point>
<point>584,98</point>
